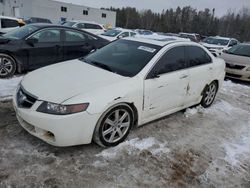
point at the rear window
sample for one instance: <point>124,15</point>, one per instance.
<point>7,23</point>
<point>92,26</point>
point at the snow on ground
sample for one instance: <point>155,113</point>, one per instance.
<point>133,146</point>
<point>8,86</point>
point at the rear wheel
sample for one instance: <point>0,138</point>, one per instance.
<point>7,66</point>
<point>114,126</point>
<point>209,95</point>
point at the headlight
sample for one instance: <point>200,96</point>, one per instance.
<point>58,109</point>
<point>248,69</point>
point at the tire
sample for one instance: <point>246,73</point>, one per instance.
<point>114,126</point>
<point>209,95</point>
<point>7,66</point>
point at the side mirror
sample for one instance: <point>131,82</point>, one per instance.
<point>32,41</point>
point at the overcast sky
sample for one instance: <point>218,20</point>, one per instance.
<point>221,6</point>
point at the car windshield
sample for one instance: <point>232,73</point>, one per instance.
<point>123,57</point>
<point>112,33</point>
<point>69,24</point>
<point>216,41</point>
<point>241,50</point>
<point>21,32</point>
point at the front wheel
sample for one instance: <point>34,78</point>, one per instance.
<point>209,95</point>
<point>7,66</point>
<point>114,126</point>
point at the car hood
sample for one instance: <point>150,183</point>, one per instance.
<point>212,45</point>
<point>60,82</point>
<point>235,59</point>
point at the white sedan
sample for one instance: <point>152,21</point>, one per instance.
<point>127,83</point>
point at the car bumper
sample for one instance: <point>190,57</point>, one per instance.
<point>57,130</point>
<point>217,51</point>
<point>238,74</point>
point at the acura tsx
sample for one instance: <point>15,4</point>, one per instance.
<point>127,83</point>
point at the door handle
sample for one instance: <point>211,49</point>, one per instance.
<point>210,68</point>
<point>183,76</point>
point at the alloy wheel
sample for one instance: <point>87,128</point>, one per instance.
<point>210,94</point>
<point>6,66</point>
<point>116,125</point>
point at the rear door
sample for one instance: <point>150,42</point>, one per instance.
<point>47,50</point>
<point>166,84</point>
<point>76,44</point>
<point>201,71</point>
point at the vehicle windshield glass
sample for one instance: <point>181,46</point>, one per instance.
<point>69,24</point>
<point>21,32</point>
<point>241,50</point>
<point>111,33</point>
<point>216,41</point>
<point>123,57</point>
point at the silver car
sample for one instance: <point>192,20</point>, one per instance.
<point>237,61</point>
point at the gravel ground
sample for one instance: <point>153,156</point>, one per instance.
<point>196,148</point>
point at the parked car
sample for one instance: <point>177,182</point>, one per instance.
<point>192,36</point>
<point>37,45</point>
<point>91,27</point>
<point>238,62</point>
<point>8,24</point>
<point>162,37</point>
<point>144,32</point>
<point>117,33</point>
<point>127,83</point>
<point>31,20</point>
<point>218,44</point>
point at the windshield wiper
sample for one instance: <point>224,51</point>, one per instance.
<point>106,67</point>
<point>97,64</point>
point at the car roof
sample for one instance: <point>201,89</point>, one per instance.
<point>48,25</point>
<point>219,37</point>
<point>82,21</point>
<point>156,42</point>
<point>7,17</point>
<point>122,29</point>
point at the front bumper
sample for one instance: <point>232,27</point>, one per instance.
<point>217,51</point>
<point>238,74</point>
<point>57,130</point>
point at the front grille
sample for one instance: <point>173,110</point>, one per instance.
<point>233,75</point>
<point>24,100</point>
<point>232,66</point>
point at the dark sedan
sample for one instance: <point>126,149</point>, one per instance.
<point>37,45</point>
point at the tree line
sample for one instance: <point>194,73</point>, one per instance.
<point>187,19</point>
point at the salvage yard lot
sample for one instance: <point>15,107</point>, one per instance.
<point>200,147</point>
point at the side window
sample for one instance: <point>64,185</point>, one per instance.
<point>73,36</point>
<point>80,26</point>
<point>90,26</point>
<point>172,60</point>
<point>233,43</point>
<point>124,34</point>
<point>48,35</point>
<point>197,56</point>
<point>98,27</point>
<point>132,34</point>
<point>6,23</point>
